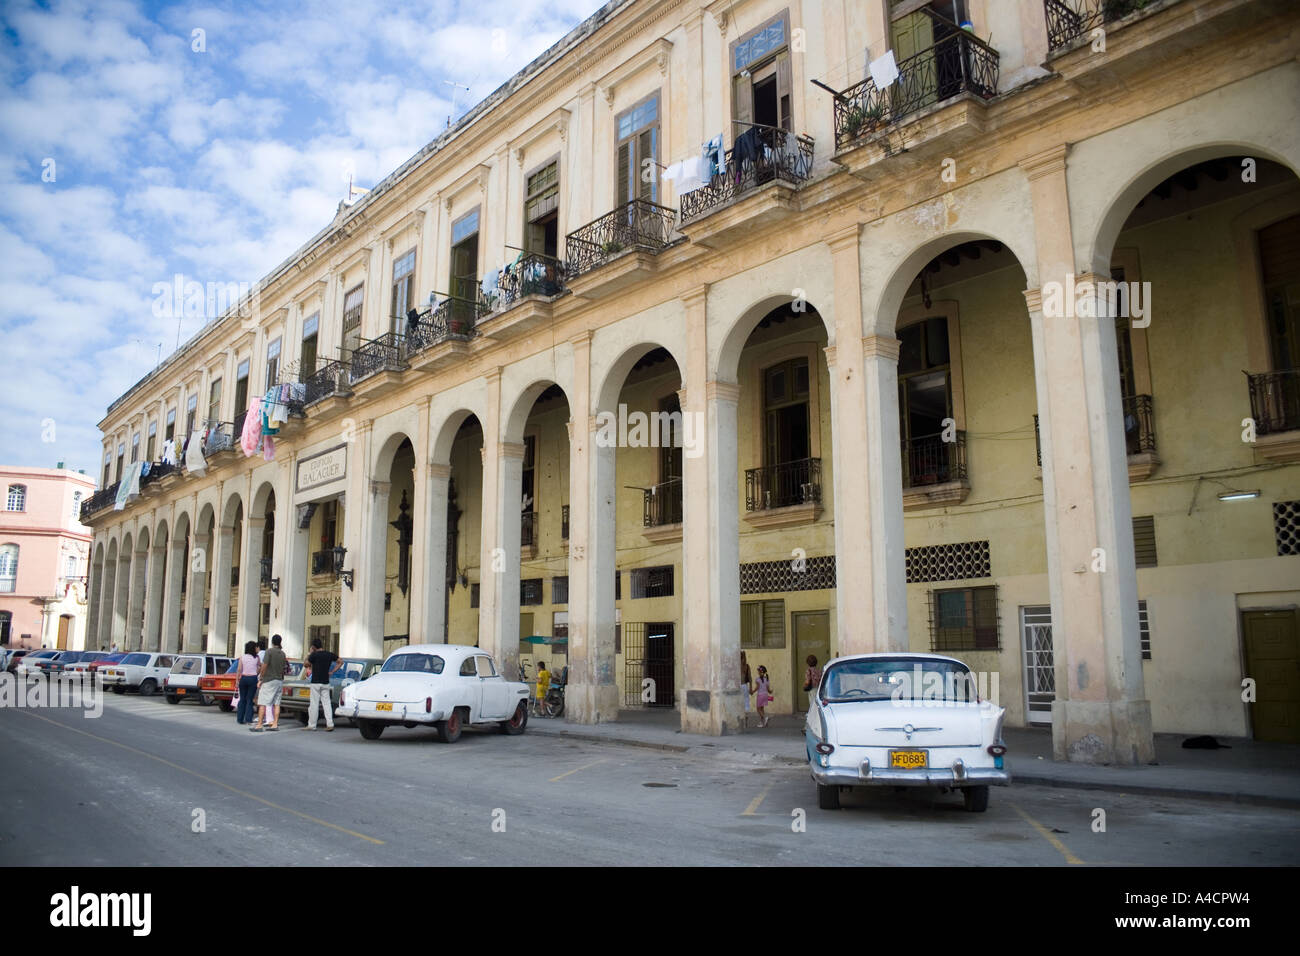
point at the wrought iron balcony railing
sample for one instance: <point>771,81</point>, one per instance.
<point>327,380</point>
<point>662,503</point>
<point>760,155</point>
<point>99,501</point>
<point>322,562</point>
<point>564,523</point>
<point>1275,401</point>
<point>784,485</point>
<point>639,224</point>
<point>1067,20</point>
<point>451,319</point>
<point>531,274</point>
<point>221,437</point>
<point>929,460</point>
<point>159,470</point>
<point>384,354</point>
<point>1139,424</point>
<point>528,529</point>
<point>959,63</point>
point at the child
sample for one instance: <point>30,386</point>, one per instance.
<point>543,685</point>
<point>763,694</point>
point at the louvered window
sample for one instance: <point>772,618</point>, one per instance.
<point>1144,541</point>
<point>762,624</point>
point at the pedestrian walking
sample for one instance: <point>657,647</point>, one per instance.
<point>746,687</point>
<point>323,665</point>
<point>270,684</point>
<point>248,668</point>
<point>812,678</point>
<point>762,694</point>
<point>543,685</point>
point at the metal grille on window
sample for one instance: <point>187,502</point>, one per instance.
<point>1286,526</point>
<point>762,624</point>
<point>530,591</point>
<point>1144,541</point>
<point>774,577</point>
<point>652,582</point>
<point>964,619</point>
<point>1144,630</point>
<point>560,589</point>
<point>320,606</point>
<point>948,562</point>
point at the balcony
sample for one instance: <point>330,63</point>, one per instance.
<point>662,511</point>
<point>152,483</point>
<point>523,297</point>
<point>618,249</point>
<point>786,494</point>
<point>440,337</point>
<point>528,533</point>
<point>958,73</point>
<point>378,363</point>
<point>326,390</point>
<point>1139,436</point>
<point>322,562</point>
<point>98,502</point>
<point>738,198</point>
<point>1068,20</point>
<point>934,471</point>
<point>1275,407</point>
<point>220,444</point>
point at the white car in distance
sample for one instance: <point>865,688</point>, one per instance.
<point>448,686</point>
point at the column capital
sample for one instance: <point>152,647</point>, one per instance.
<point>716,391</point>
<point>380,487</point>
<point>845,238</point>
<point>1034,299</point>
<point>493,375</point>
<point>830,351</point>
<point>695,297</point>
<point>257,522</point>
<point>437,471</point>
<point>1045,163</point>
<point>582,340</point>
<point>880,346</point>
<point>510,449</point>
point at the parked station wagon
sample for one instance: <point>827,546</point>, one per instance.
<point>297,689</point>
<point>904,720</point>
<point>446,685</point>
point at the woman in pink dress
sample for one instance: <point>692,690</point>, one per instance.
<point>762,694</point>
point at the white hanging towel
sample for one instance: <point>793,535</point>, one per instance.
<point>884,70</point>
<point>691,175</point>
<point>195,463</point>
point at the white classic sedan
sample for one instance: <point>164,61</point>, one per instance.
<point>446,685</point>
<point>904,720</point>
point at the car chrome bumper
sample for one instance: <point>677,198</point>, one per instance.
<point>930,777</point>
<point>400,714</point>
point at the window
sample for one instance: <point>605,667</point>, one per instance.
<point>70,566</point>
<point>403,288</point>
<point>913,32</point>
<point>618,585</point>
<point>530,591</point>
<point>467,668</point>
<point>560,624</point>
<point>17,498</point>
<point>1144,541</point>
<point>560,589</point>
<point>135,447</point>
<point>652,582</point>
<point>8,568</point>
<point>266,614</point>
<point>762,623</point>
<point>924,397</point>
<point>170,433</point>
<point>464,256</point>
<point>191,408</point>
<point>542,211</point>
<point>241,396</point>
<point>785,407</point>
<point>1279,256</point>
<point>214,402</point>
<point>1144,630</point>
<point>964,619</point>
<point>761,77</point>
<point>273,364</point>
<point>307,361</point>
<point>352,303</point>
<point>108,469</point>
<point>328,525</point>
<point>485,667</point>
<point>6,626</point>
<point>153,439</point>
<point>121,459</point>
<point>637,152</point>
<point>76,506</point>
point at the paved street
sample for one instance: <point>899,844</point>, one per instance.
<point>123,789</point>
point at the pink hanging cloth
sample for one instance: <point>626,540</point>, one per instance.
<point>251,438</point>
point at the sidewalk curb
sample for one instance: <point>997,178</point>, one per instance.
<point>1018,776</point>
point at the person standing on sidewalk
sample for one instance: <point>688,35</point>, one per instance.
<point>543,686</point>
<point>248,668</point>
<point>746,686</point>
<point>323,665</point>
<point>270,684</point>
<point>762,694</point>
<point>812,679</point>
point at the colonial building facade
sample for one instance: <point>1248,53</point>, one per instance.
<point>788,327</point>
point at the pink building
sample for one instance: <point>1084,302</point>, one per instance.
<point>44,549</point>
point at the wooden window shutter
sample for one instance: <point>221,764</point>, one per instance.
<point>624,180</point>
<point>785,102</point>
<point>1279,251</point>
<point>1144,541</point>
<point>647,143</point>
<point>742,104</point>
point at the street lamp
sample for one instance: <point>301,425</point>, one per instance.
<point>340,553</point>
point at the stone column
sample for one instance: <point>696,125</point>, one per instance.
<point>294,545</point>
<point>1100,714</point>
<point>199,562</point>
<point>219,607</point>
<point>429,572</point>
<point>136,602</point>
<point>121,597</point>
<point>422,553</point>
<point>170,630</point>
<point>94,597</point>
<point>503,501</point>
<point>370,564</point>
<point>710,542</point>
<point>593,692</point>
<point>249,617</point>
<point>357,635</point>
<point>154,598</point>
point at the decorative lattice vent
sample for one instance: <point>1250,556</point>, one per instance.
<point>773,577</point>
<point>948,562</point>
<point>1286,526</point>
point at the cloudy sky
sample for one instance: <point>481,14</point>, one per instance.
<point>142,141</point>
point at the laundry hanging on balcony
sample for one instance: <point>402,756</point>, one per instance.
<point>128,486</point>
<point>195,463</point>
<point>748,149</point>
<point>715,158</point>
<point>884,70</point>
<point>688,174</point>
<point>169,452</point>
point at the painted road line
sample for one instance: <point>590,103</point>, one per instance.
<point>207,779</point>
<point>752,809</point>
<point>576,769</point>
<point>1048,836</point>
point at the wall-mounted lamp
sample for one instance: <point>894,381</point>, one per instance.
<point>340,553</point>
<point>1237,495</point>
<point>275,585</point>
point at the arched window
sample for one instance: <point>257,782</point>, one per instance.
<point>17,498</point>
<point>76,507</point>
<point>8,568</point>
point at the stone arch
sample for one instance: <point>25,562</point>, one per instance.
<point>386,452</point>
<point>234,500</point>
<point>514,421</point>
<point>615,375</point>
<point>263,494</point>
<point>727,366</point>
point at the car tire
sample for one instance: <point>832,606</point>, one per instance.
<point>173,699</point>
<point>225,706</point>
<point>517,723</point>
<point>206,699</point>
<point>828,798</point>
<point>119,689</point>
<point>449,729</point>
<point>977,798</point>
<point>148,687</point>
<point>370,729</point>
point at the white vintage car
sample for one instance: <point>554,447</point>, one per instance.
<point>446,685</point>
<point>904,720</point>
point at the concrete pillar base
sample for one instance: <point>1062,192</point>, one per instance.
<point>717,714</point>
<point>1103,732</point>
<point>591,703</point>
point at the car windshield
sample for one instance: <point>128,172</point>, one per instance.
<point>134,659</point>
<point>187,665</point>
<point>897,679</point>
<point>352,670</point>
<point>425,663</point>
<point>71,657</point>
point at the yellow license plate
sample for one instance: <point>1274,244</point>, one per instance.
<point>907,759</point>
<point>383,706</point>
<point>180,690</point>
<point>302,692</point>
